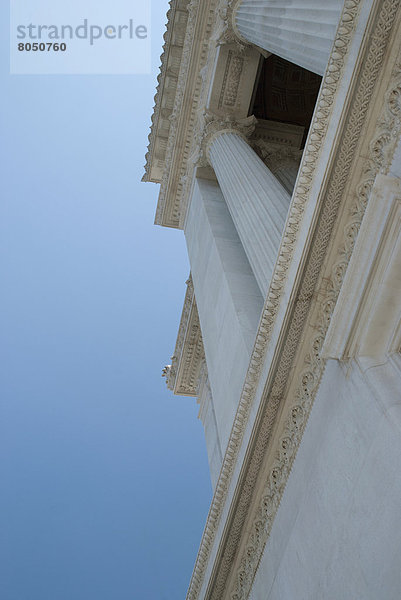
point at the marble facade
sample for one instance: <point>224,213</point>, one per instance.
<point>290,334</point>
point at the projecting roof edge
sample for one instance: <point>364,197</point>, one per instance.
<point>183,373</point>
<point>177,8</point>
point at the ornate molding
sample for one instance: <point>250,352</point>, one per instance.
<point>183,118</point>
<point>231,80</point>
<point>212,126</point>
<point>183,373</point>
<point>170,371</point>
<point>310,378</point>
<point>167,82</point>
<point>227,32</point>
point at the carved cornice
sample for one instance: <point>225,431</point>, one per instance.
<point>259,523</point>
<point>170,371</point>
<point>191,86</point>
<point>167,82</point>
<point>183,373</point>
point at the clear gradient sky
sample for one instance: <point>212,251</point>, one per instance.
<point>103,472</point>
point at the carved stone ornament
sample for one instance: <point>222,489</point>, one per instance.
<point>167,84</point>
<point>211,126</point>
<point>226,31</point>
<point>182,375</point>
<point>167,372</point>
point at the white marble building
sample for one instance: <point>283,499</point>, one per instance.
<point>275,140</point>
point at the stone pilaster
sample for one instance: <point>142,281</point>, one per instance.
<point>298,31</point>
<point>257,201</point>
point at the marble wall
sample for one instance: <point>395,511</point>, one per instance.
<point>336,535</point>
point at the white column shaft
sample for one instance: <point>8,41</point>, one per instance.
<point>258,203</point>
<point>299,31</point>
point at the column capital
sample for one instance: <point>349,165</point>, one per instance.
<point>212,126</point>
<point>227,32</point>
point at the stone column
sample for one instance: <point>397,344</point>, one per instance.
<point>298,31</point>
<point>257,201</point>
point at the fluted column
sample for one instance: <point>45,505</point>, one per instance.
<point>298,31</point>
<point>257,202</point>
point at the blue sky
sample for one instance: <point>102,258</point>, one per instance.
<point>104,478</point>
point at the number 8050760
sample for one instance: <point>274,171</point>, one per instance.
<point>42,47</point>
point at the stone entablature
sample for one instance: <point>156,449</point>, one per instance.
<point>190,88</point>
